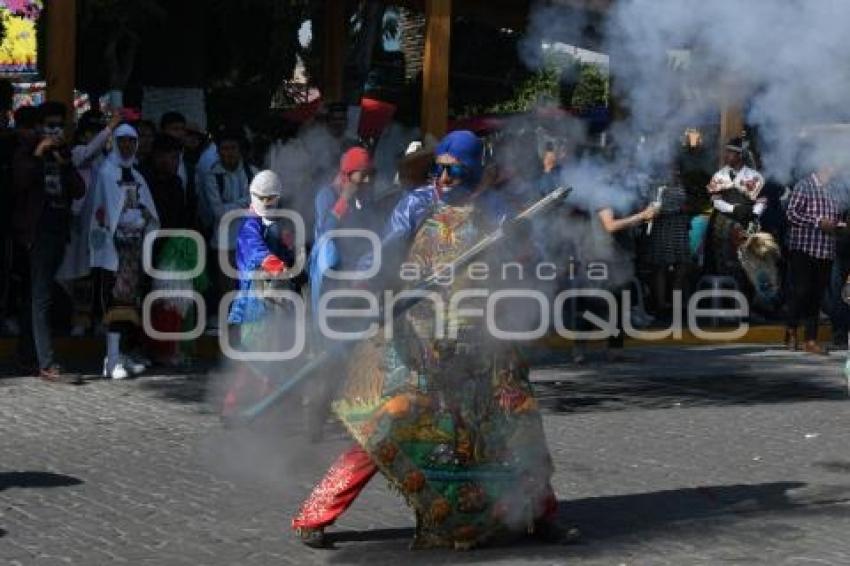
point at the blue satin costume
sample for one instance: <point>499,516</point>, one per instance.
<point>255,244</point>
<point>406,218</point>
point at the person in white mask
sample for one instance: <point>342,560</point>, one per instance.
<point>265,252</point>
<point>123,213</point>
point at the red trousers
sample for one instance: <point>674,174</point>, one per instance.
<point>337,491</point>
<point>246,389</point>
<point>348,476</point>
<point>166,320</point>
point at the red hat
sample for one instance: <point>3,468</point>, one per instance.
<point>355,159</point>
<point>375,117</point>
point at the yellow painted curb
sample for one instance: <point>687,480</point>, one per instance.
<point>206,348</point>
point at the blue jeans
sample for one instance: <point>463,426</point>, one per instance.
<point>45,259</point>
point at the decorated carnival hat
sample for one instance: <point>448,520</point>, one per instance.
<point>738,145</point>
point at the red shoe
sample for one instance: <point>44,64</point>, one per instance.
<point>55,374</point>
<point>812,347</point>
<point>246,389</point>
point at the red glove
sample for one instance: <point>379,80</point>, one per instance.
<point>273,265</point>
<point>340,209</point>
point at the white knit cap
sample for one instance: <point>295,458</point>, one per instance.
<point>266,184</point>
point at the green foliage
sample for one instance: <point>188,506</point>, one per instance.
<point>543,87</point>
<point>563,81</point>
<point>592,88</point>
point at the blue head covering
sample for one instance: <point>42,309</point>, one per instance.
<point>467,148</point>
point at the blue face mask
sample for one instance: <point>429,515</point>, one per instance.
<point>466,148</point>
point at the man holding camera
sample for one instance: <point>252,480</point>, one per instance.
<point>44,185</point>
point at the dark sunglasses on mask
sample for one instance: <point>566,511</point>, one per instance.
<point>454,171</point>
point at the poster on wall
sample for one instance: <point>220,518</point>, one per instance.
<point>18,48</point>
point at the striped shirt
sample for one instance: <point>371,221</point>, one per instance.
<point>811,202</point>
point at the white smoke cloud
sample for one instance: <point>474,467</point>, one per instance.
<point>786,59</point>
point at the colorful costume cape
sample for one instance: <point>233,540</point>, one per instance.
<point>451,422</point>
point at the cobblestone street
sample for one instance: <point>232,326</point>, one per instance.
<point>693,456</point>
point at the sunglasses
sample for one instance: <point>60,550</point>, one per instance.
<point>54,125</point>
<point>265,198</point>
<point>453,171</point>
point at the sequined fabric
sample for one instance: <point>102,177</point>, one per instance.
<point>450,420</point>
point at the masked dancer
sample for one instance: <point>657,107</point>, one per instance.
<point>448,417</point>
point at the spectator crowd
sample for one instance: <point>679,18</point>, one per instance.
<point>76,211</point>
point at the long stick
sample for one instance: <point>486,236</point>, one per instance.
<point>401,307</point>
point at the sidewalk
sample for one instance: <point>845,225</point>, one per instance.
<point>207,347</point>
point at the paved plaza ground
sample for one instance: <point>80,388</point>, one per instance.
<point>692,456</point>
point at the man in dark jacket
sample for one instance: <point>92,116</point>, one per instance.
<point>7,150</point>
<point>165,185</point>
<point>44,184</point>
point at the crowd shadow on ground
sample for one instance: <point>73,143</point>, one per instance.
<point>608,524</point>
<point>185,388</point>
<point>668,378</point>
<point>658,378</point>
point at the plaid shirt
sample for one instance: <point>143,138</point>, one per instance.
<point>811,201</point>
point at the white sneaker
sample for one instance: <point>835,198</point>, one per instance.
<point>119,372</point>
<point>132,365</point>
<point>141,359</point>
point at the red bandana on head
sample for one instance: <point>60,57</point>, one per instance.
<point>355,159</point>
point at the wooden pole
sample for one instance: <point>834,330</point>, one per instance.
<point>435,88</point>
<point>61,52</point>
<point>731,125</point>
<point>335,42</point>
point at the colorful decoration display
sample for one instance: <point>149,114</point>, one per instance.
<point>18,50</point>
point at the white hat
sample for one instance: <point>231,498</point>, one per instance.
<point>266,184</point>
<point>126,131</point>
